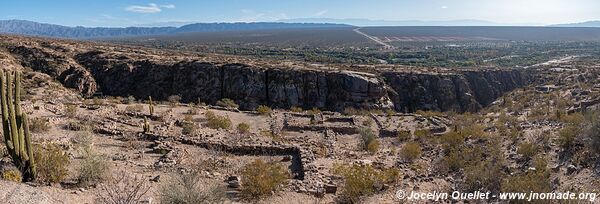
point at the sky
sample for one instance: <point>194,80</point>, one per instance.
<point>120,13</point>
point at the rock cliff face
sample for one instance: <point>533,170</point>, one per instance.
<point>460,91</point>
<point>142,75</point>
<point>248,86</point>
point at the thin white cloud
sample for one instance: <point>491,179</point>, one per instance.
<point>150,8</point>
<point>168,6</point>
<point>320,13</point>
<point>444,7</point>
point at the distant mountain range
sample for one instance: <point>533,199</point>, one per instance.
<point>368,22</point>
<point>24,27</point>
<point>582,24</point>
<point>50,30</point>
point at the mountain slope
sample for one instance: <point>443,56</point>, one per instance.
<point>50,30</point>
<point>581,24</point>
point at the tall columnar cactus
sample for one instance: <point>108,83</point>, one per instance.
<point>146,125</point>
<point>151,106</point>
<point>15,125</point>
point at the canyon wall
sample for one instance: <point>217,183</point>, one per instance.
<point>250,86</point>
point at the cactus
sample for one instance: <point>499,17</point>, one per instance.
<point>15,125</point>
<point>151,106</point>
<point>146,125</point>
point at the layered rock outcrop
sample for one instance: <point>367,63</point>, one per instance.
<point>247,85</point>
<point>457,91</point>
<point>141,75</point>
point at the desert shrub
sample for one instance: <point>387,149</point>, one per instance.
<point>527,150</point>
<point>362,180</point>
<point>296,109</point>
<point>188,128</point>
<point>486,175</point>
<point>130,99</point>
<point>369,140</point>
<point>12,175</point>
<point>97,102</point>
<point>264,110</point>
<point>367,122</point>
<point>39,125</point>
<point>190,188</point>
<point>135,108</point>
<point>70,110</point>
<point>452,160</point>
<point>228,103</point>
<point>567,135</point>
<point>77,125</point>
<point>422,133</point>
<point>354,111</point>
<point>260,178</point>
<point>271,134</point>
<point>452,140</point>
<point>192,111</point>
<point>403,136</point>
<point>537,180</point>
<point>123,189</point>
<point>83,139</point>
<point>92,169</point>
<point>243,128</point>
<point>51,163</point>
<point>592,131</point>
<point>410,151</point>
<point>174,99</point>
<point>574,118</point>
<point>314,110</point>
<point>217,122</point>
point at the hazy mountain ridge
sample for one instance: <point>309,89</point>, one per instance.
<point>51,30</point>
<point>581,24</point>
<point>369,22</point>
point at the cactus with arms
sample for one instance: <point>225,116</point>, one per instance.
<point>15,125</point>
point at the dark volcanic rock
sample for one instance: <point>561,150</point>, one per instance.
<point>460,91</point>
<point>248,86</point>
<point>141,75</point>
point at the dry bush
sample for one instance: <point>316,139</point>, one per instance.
<point>260,178</point>
<point>403,136</point>
<point>188,128</point>
<point>227,103</point>
<point>527,150</point>
<point>410,151</point>
<point>369,140</point>
<point>123,189</point>
<point>486,175</point>
<point>537,180</point>
<point>135,108</point>
<point>217,122</point>
<point>243,128</point>
<point>363,180</point>
<point>190,188</point>
<point>39,125</point>
<point>13,175</point>
<point>51,163</point>
<point>296,109</point>
<point>192,111</point>
<point>97,102</point>
<point>130,100</point>
<point>92,170</point>
<point>70,110</point>
<point>264,110</point>
<point>422,134</point>
<point>174,99</point>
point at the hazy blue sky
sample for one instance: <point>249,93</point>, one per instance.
<point>135,12</point>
